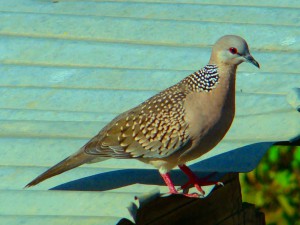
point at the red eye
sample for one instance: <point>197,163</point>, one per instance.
<point>233,50</point>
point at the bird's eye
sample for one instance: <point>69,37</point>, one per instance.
<point>233,50</point>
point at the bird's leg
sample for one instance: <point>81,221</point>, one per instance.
<point>194,180</point>
<point>172,188</point>
<point>169,183</point>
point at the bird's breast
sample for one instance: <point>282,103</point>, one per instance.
<point>209,115</point>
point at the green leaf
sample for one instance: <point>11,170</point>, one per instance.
<point>297,154</point>
<point>274,154</point>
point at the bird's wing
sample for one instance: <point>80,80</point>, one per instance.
<point>156,128</point>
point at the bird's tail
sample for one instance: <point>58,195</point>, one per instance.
<point>71,162</point>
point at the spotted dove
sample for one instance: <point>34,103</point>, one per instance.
<point>175,126</point>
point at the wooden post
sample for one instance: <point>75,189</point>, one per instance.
<point>223,206</point>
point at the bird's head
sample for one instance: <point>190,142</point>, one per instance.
<point>231,50</point>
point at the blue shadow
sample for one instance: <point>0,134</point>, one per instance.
<point>242,159</point>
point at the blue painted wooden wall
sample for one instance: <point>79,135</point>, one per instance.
<point>68,68</point>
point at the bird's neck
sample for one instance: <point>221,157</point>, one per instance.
<point>205,79</point>
<point>227,75</point>
<point>222,84</point>
<point>226,84</point>
<point>210,77</point>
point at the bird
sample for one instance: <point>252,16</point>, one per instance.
<point>175,126</point>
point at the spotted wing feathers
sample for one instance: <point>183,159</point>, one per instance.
<point>156,128</point>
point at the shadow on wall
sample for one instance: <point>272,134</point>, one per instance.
<point>120,178</point>
<point>242,159</point>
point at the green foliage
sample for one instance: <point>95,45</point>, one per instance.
<point>274,186</point>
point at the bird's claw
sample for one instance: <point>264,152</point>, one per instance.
<point>191,195</point>
<point>219,184</point>
<point>198,185</point>
<point>194,195</point>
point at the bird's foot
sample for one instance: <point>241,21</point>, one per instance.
<point>191,195</point>
<point>195,181</point>
<point>198,183</point>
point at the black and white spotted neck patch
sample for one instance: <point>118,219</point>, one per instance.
<point>205,79</point>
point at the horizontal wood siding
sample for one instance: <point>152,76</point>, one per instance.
<point>68,68</point>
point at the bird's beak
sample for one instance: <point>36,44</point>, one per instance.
<point>250,59</point>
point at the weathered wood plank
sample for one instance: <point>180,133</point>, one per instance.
<point>131,182</point>
<point>124,79</point>
<point>86,130</point>
<point>49,151</point>
<point>271,3</point>
<point>145,31</point>
<point>163,11</point>
<point>113,180</point>
<point>20,50</point>
<point>71,100</point>
<point>89,78</point>
<point>77,100</point>
<point>63,203</point>
<point>41,115</point>
<point>58,220</point>
<point>25,5</point>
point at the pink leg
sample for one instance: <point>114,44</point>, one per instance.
<point>172,188</point>
<point>194,180</point>
<point>169,183</point>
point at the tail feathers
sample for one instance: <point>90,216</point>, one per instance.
<point>69,163</point>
